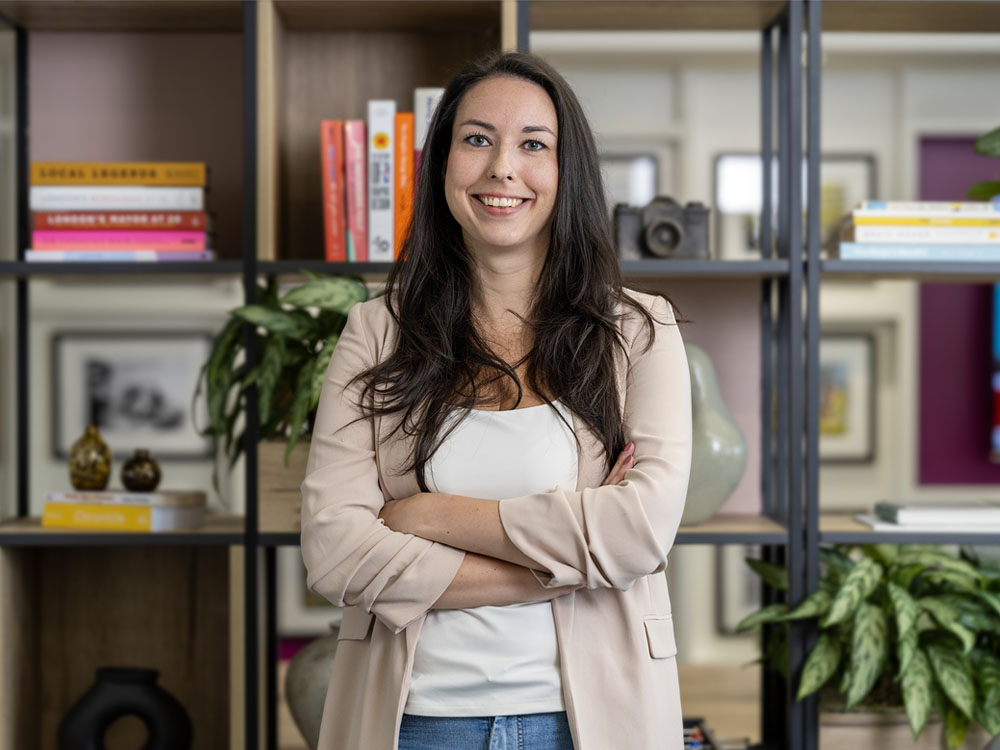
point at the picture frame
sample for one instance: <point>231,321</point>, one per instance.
<point>635,170</point>
<point>300,611</point>
<point>845,179</point>
<point>136,386</point>
<point>737,587</point>
<point>847,407</point>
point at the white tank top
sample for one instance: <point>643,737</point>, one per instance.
<point>495,661</point>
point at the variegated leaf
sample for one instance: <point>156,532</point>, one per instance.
<point>988,675</point>
<point>907,648</point>
<point>954,675</point>
<point>989,144</point>
<point>859,584</point>
<point>989,716</point>
<point>905,608</point>
<point>884,553</point>
<point>869,649</point>
<point>950,580</point>
<point>821,664</point>
<point>322,364</point>
<point>300,406</point>
<point>956,725</point>
<point>990,598</point>
<point>948,618</point>
<point>328,293</point>
<point>269,371</point>
<point>903,575</point>
<point>773,575</point>
<point>770,613</point>
<point>815,605</point>
<point>917,681</point>
<point>836,559</point>
<point>294,324</point>
<point>937,559</point>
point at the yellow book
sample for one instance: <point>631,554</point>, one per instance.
<point>105,517</point>
<point>926,221</point>
<point>159,173</point>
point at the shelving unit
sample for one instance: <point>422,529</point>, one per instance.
<point>302,61</point>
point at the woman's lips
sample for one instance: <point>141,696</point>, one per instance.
<point>505,205</point>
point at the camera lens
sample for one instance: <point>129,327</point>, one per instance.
<point>664,236</point>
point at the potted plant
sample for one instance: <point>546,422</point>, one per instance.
<point>987,145</point>
<point>899,625</point>
<point>296,333</point>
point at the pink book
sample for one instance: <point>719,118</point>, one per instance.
<point>117,239</point>
<point>355,154</point>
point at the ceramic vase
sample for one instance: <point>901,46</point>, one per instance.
<point>305,684</point>
<point>719,450</point>
<point>124,691</point>
<point>141,473</point>
<point>90,461</point>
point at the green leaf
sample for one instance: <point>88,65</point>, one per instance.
<point>949,579</point>
<point>836,559</point>
<point>956,724</point>
<point>903,575</point>
<point>300,406</point>
<point>319,374</point>
<point>883,553</point>
<point>295,324</point>
<point>990,598</point>
<point>986,190</point>
<point>905,611</point>
<point>770,613</point>
<point>954,676</point>
<point>972,613</point>
<point>218,373</point>
<point>939,560</point>
<point>869,651</point>
<point>271,361</point>
<point>816,604</point>
<point>989,716</point>
<point>338,293</point>
<point>948,618</point>
<point>988,675</point>
<point>989,144</point>
<point>859,584</point>
<point>821,664</point>
<point>916,685</point>
<point>771,574</point>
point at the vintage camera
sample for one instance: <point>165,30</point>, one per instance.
<point>663,228</point>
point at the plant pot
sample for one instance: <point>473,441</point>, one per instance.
<point>886,730</point>
<point>306,681</point>
<point>280,499</point>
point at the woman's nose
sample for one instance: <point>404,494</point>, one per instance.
<point>501,169</point>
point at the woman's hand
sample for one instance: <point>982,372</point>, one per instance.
<point>626,459</point>
<point>399,515</point>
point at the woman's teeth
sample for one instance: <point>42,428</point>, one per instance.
<point>495,202</point>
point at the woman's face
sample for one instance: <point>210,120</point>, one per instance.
<point>502,173</point>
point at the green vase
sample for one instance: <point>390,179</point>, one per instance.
<point>90,461</point>
<point>140,473</point>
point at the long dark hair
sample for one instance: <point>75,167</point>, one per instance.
<point>440,359</point>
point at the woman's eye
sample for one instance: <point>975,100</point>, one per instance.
<point>534,145</point>
<point>477,140</point>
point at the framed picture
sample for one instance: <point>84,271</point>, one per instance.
<point>135,386</point>
<point>845,180</point>
<point>737,587</point>
<point>847,397</point>
<point>636,170</point>
<point>300,611</point>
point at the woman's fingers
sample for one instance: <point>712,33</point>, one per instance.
<point>626,459</point>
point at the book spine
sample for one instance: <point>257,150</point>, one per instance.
<point>332,145</point>
<point>69,198</point>
<point>356,170</point>
<point>875,218</point>
<point>119,173</point>
<point>948,208</point>
<point>161,499</point>
<point>117,256</point>
<point>97,516</point>
<point>381,129</point>
<point>117,239</point>
<point>919,252</point>
<point>185,220</point>
<point>931,234</point>
<point>403,186</point>
<point>425,101</point>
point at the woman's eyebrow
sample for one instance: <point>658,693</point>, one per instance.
<point>492,128</point>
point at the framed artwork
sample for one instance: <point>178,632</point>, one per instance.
<point>845,180</point>
<point>300,611</point>
<point>135,386</point>
<point>636,170</point>
<point>737,587</point>
<point>847,397</point>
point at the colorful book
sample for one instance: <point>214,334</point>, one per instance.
<point>334,211</point>
<point>356,170</point>
<point>119,173</point>
<point>425,101</point>
<point>381,131</point>
<point>904,233</point>
<point>187,220</point>
<point>108,198</point>
<point>112,517</point>
<point>878,218</point>
<point>118,256</point>
<point>932,514</point>
<point>117,239</point>
<point>403,184</point>
<point>983,209</point>
<point>164,498</point>
<point>927,251</point>
<point>955,526</point>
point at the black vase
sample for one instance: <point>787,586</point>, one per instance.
<point>125,691</point>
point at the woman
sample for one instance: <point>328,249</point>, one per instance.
<point>501,455</point>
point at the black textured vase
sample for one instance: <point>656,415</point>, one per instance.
<point>125,691</point>
<point>141,473</point>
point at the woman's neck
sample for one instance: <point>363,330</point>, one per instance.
<point>504,289</point>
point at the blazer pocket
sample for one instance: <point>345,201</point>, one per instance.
<point>660,636</point>
<point>356,625</point>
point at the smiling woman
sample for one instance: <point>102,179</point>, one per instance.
<point>501,454</point>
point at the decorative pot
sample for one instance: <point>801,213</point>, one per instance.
<point>887,729</point>
<point>280,495</point>
<point>141,473</point>
<point>90,461</point>
<point>126,691</point>
<point>719,451</point>
<point>306,681</point>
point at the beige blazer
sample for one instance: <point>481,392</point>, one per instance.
<point>615,636</point>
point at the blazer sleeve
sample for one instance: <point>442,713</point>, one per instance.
<point>351,557</point>
<point>610,536</point>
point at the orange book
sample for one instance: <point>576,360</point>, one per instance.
<point>334,218</point>
<point>404,178</point>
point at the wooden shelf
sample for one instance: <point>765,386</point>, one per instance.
<point>29,532</point>
<point>387,15</point>
<point>734,529</point>
<point>927,271</point>
<point>840,528</point>
<point>666,267</point>
<point>942,16</point>
<point>653,15</point>
<point>125,15</point>
<point>214,268</point>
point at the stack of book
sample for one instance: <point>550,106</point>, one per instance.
<point>119,212</point>
<point>937,231</point>
<point>369,172</point>
<point>976,516</point>
<point>124,511</point>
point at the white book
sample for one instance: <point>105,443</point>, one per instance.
<point>115,198</point>
<point>930,234</point>
<point>164,498</point>
<point>425,101</point>
<point>953,527</point>
<point>381,132</point>
<point>927,514</point>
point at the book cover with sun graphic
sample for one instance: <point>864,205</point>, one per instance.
<point>381,131</point>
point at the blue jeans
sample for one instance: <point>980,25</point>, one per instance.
<point>526,732</point>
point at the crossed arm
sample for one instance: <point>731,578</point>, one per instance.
<point>494,571</point>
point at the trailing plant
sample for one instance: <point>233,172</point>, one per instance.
<point>913,624</point>
<point>295,333</point>
<point>987,145</point>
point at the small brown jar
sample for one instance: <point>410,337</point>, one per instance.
<point>141,473</point>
